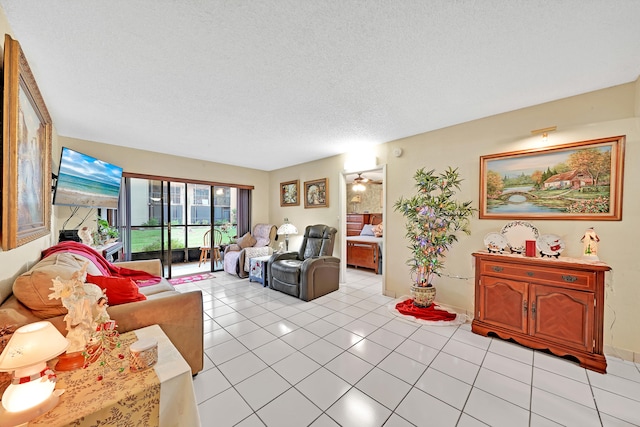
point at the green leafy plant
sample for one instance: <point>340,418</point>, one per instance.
<point>104,232</point>
<point>433,219</point>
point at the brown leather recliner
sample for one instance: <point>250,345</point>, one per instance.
<point>312,271</point>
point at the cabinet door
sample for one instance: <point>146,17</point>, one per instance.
<point>503,303</point>
<point>562,315</point>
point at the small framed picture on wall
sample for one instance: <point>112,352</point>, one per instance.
<point>316,193</point>
<point>290,193</point>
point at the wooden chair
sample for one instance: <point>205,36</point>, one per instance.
<point>206,246</point>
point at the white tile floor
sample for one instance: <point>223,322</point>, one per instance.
<point>344,360</point>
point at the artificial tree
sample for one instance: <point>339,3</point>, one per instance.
<point>433,220</point>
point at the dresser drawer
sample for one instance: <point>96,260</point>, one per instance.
<point>576,279</point>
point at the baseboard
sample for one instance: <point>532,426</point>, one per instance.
<point>622,353</point>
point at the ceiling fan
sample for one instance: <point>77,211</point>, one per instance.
<point>360,179</point>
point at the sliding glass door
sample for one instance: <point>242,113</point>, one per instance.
<point>184,224</point>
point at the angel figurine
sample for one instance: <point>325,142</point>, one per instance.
<point>83,309</point>
<point>86,235</point>
<point>590,244</point>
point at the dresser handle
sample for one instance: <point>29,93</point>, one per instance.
<point>524,307</point>
<point>530,273</point>
<point>569,279</point>
<point>497,268</point>
<point>533,310</point>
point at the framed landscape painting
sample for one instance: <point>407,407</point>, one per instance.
<point>316,193</point>
<point>290,193</point>
<point>576,181</point>
<point>26,153</point>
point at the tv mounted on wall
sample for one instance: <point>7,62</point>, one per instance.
<point>86,181</point>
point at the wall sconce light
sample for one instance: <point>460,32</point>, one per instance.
<point>360,160</point>
<point>31,392</point>
<point>544,132</point>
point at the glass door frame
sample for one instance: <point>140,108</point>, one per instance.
<point>165,226</point>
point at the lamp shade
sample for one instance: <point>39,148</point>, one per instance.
<point>287,228</point>
<point>31,344</point>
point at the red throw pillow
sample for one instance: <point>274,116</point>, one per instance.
<point>120,290</point>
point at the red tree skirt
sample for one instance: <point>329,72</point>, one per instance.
<point>427,313</point>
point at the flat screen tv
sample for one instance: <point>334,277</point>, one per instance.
<point>86,181</point>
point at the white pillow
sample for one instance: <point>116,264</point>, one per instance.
<point>367,230</point>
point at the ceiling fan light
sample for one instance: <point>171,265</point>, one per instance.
<point>358,186</point>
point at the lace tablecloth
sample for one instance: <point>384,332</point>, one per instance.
<point>163,395</point>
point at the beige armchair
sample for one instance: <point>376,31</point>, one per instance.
<point>312,271</point>
<point>254,244</point>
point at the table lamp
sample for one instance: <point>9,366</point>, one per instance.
<point>355,200</point>
<point>31,392</point>
<point>286,229</point>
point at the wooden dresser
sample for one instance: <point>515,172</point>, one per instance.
<point>355,222</point>
<point>543,303</point>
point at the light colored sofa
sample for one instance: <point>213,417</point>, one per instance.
<point>178,314</point>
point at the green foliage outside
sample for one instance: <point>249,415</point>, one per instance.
<point>148,239</point>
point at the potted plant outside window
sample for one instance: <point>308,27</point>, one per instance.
<point>433,220</point>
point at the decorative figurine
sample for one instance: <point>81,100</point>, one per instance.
<point>590,244</point>
<point>81,301</point>
<point>86,235</point>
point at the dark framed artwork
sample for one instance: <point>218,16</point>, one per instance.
<point>316,193</point>
<point>26,153</point>
<point>575,181</point>
<point>290,193</point>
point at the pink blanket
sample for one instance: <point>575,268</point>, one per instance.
<point>142,278</point>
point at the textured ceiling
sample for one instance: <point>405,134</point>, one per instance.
<point>243,82</point>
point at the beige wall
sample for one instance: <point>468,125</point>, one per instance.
<point>331,169</point>
<point>149,163</point>
<point>599,114</point>
<point>370,199</point>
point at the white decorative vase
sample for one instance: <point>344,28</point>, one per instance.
<point>423,296</point>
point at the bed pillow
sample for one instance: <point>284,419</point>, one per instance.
<point>246,241</point>
<point>119,290</point>
<point>377,230</point>
<point>367,230</point>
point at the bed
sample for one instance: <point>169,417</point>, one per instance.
<point>365,250</point>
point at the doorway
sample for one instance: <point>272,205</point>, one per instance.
<point>366,202</point>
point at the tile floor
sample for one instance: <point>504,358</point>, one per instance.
<point>344,360</point>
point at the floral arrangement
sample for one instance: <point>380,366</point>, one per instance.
<point>433,219</point>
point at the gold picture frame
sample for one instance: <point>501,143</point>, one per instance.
<point>316,193</point>
<point>576,181</point>
<point>290,193</point>
<point>26,153</point>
